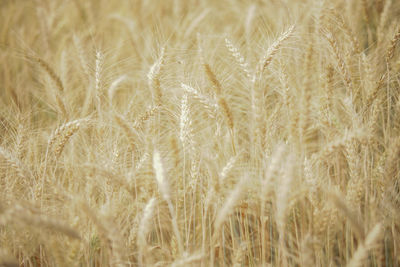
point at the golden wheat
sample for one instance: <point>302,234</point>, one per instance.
<point>222,133</point>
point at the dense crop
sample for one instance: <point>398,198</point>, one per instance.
<point>199,133</point>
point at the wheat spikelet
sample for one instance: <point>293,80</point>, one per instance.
<point>238,57</point>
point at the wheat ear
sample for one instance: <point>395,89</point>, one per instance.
<point>188,261</point>
<point>225,211</point>
<point>272,50</point>
<point>13,162</point>
<point>238,57</point>
<point>19,213</point>
<point>350,215</point>
<point>62,134</point>
<point>52,74</point>
<point>145,116</point>
<point>383,20</point>
<point>129,131</point>
<point>339,58</point>
<point>163,186</point>
<point>154,78</point>
<point>393,44</point>
<point>226,110</point>
<point>110,236</point>
<point>144,228</point>
<point>185,122</point>
<point>361,255</point>
<point>209,105</point>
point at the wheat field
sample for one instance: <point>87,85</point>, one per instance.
<point>199,133</point>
